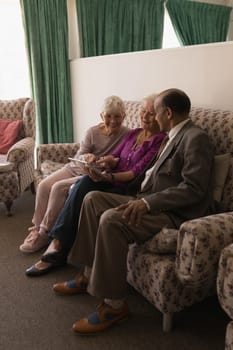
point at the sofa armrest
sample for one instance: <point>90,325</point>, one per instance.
<point>21,150</point>
<point>225,280</point>
<point>56,152</point>
<point>199,245</point>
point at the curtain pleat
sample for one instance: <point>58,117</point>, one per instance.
<point>197,22</point>
<point>46,31</point>
<point>116,26</point>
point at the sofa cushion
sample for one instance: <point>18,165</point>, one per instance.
<point>9,131</point>
<point>221,167</point>
<point>164,242</point>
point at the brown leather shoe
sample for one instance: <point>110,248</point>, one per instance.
<point>102,319</point>
<point>71,287</point>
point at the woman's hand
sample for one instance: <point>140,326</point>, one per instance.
<point>106,177</point>
<point>133,211</point>
<point>89,157</point>
<point>107,162</point>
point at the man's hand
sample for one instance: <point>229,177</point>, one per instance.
<point>133,211</point>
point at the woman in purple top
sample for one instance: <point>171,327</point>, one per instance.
<point>128,161</point>
<point>131,157</point>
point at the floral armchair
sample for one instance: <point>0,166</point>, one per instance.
<point>17,163</point>
<point>177,269</point>
<point>225,290</point>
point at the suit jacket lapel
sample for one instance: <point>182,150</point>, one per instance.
<point>172,145</point>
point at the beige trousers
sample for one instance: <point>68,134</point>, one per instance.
<point>50,198</point>
<point>103,238</point>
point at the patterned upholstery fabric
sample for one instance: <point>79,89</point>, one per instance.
<point>9,186</point>
<point>21,154</point>
<point>225,290</point>
<point>229,337</point>
<point>51,157</point>
<point>133,110</point>
<point>164,242</point>
<point>173,281</point>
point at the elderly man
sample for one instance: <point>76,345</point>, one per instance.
<point>174,190</point>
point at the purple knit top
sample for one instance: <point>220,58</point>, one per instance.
<point>136,159</point>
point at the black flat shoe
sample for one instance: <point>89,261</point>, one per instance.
<point>33,271</point>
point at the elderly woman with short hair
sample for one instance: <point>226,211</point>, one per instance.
<point>52,191</point>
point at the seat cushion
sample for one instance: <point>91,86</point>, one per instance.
<point>164,242</point>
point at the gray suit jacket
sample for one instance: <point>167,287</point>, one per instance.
<point>181,184</point>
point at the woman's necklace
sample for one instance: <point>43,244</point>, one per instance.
<point>140,139</point>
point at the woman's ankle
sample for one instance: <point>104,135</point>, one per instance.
<point>55,246</point>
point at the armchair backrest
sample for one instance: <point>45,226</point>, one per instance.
<point>132,118</point>
<point>21,108</point>
<point>217,123</point>
<point>219,126</point>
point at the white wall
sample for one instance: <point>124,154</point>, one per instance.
<point>204,72</point>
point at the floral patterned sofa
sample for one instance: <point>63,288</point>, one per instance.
<point>177,268</point>
<point>17,165</point>
<point>225,290</point>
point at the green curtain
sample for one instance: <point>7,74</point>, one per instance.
<point>197,22</point>
<point>115,26</point>
<point>46,31</point>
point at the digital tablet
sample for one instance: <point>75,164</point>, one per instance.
<point>85,164</point>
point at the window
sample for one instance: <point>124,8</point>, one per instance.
<point>169,35</point>
<point>14,74</point>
